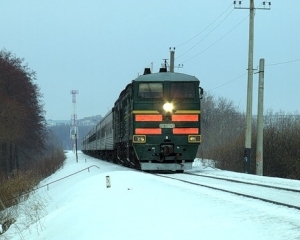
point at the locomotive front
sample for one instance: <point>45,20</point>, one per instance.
<point>166,120</point>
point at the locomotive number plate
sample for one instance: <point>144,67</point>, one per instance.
<point>167,125</point>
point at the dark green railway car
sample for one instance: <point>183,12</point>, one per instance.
<point>156,122</point>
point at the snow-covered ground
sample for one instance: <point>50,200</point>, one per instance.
<point>143,206</point>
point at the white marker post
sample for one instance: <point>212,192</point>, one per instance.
<point>108,185</point>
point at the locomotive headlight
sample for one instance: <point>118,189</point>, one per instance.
<point>139,138</point>
<point>168,107</point>
<point>194,138</point>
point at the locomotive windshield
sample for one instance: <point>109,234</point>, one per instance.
<point>150,90</point>
<point>182,90</point>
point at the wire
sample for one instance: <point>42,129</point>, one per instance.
<point>272,64</point>
<point>204,28</point>
<point>206,35</point>
<point>217,40</point>
<point>210,32</point>
<point>228,82</point>
<point>291,61</point>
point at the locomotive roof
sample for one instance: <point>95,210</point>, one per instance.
<point>166,76</point>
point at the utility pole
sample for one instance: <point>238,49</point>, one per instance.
<point>260,119</point>
<point>247,151</point>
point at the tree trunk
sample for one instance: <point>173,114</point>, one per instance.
<point>5,158</point>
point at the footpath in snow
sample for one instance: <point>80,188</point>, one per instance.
<point>143,206</point>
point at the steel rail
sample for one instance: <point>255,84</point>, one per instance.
<point>232,192</point>
<point>244,182</point>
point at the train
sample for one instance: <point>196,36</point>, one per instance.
<point>154,125</point>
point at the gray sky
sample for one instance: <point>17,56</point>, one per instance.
<point>98,47</point>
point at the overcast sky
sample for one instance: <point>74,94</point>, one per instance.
<point>97,47</point>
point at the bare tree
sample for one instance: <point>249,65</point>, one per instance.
<point>222,128</point>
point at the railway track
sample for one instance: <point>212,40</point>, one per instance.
<point>245,182</point>
<point>282,196</point>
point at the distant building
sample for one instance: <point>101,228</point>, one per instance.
<point>87,121</point>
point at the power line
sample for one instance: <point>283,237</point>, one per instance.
<point>265,8</point>
<point>206,34</point>
<point>272,64</point>
<point>228,82</point>
<point>205,29</point>
<point>280,63</point>
<point>217,40</point>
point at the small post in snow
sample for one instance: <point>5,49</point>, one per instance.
<point>108,185</point>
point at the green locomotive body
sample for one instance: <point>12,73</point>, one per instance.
<point>153,126</point>
<point>156,122</point>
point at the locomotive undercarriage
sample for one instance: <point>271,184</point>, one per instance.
<point>164,160</point>
<point>125,155</point>
<point>164,157</point>
<point>106,155</point>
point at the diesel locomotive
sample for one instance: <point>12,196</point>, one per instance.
<point>154,125</point>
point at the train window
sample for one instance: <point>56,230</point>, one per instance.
<point>182,90</point>
<point>150,90</point>
<point>92,138</point>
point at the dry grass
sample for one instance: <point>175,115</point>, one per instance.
<point>13,188</point>
<point>17,188</point>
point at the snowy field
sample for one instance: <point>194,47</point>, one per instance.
<point>143,206</point>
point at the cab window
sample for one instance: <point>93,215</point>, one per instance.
<point>182,90</point>
<point>150,90</point>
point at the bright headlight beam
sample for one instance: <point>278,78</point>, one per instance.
<point>168,107</point>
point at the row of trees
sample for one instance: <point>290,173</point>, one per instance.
<point>22,123</point>
<point>28,152</point>
<point>223,133</point>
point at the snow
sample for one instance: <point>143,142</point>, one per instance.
<point>143,206</point>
